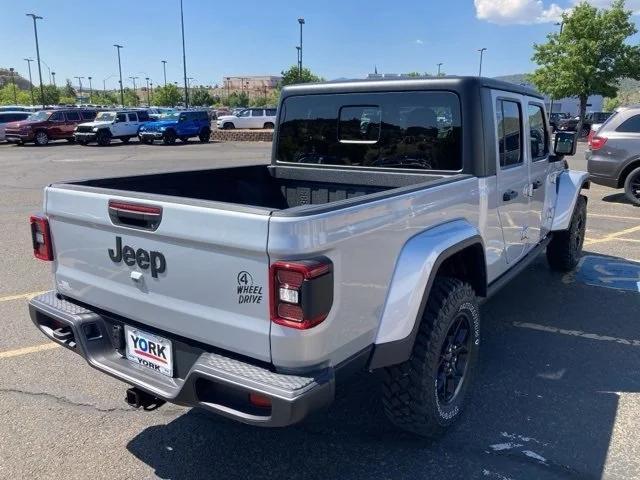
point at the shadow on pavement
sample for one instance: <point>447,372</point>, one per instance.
<point>543,405</point>
<point>617,198</point>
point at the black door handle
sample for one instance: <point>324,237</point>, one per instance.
<point>509,195</point>
<point>537,184</point>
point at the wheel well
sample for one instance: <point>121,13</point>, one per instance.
<point>468,265</point>
<point>627,170</point>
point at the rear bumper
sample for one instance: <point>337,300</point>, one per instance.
<point>203,379</point>
<point>603,170</point>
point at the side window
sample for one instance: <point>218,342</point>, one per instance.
<point>143,116</point>
<point>88,115</point>
<point>73,117</point>
<point>271,112</point>
<point>538,133</point>
<point>257,113</point>
<point>133,117</point>
<point>57,117</point>
<point>509,120</point>
<point>630,125</point>
<point>244,113</point>
<point>121,117</point>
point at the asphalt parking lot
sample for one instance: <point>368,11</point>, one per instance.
<point>557,394</point>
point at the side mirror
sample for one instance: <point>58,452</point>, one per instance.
<point>565,143</point>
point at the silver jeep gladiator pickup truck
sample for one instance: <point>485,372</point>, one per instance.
<point>389,212</point>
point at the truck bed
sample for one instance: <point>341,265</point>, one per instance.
<point>261,186</point>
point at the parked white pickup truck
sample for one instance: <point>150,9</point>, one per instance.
<point>390,211</point>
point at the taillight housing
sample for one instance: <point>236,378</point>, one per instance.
<point>41,238</point>
<point>597,142</point>
<point>301,292</point>
<point>590,136</point>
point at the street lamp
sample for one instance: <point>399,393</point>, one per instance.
<point>135,91</point>
<point>53,75</point>
<point>45,64</point>
<point>439,65</point>
<point>561,25</point>
<point>164,69</point>
<point>13,81</point>
<point>29,60</point>
<point>118,47</point>
<point>301,22</point>
<point>90,90</point>
<point>151,90</point>
<point>298,49</point>
<point>148,99</point>
<point>104,83</point>
<point>481,50</point>
<point>80,84</point>
<point>35,31</point>
<point>184,59</point>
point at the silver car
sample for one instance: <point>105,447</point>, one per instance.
<point>11,116</point>
<point>613,157</point>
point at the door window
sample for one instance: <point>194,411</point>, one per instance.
<point>509,120</point>
<point>271,112</point>
<point>257,113</point>
<point>244,113</point>
<point>56,117</point>
<point>133,117</point>
<point>121,117</point>
<point>73,117</point>
<point>538,133</point>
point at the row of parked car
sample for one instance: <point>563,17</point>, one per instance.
<point>86,125</point>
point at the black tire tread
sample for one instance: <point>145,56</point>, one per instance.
<point>407,387</point>
<point>562,255</point>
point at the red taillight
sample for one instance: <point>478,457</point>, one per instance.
<point>134,208</point>
<point>597,142</point>
<point>301,292</point>
<point>41,238</point>
<point>590,136</point>
<point>258,400</point>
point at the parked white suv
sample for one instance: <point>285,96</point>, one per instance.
<point>249,118</point>
<point>122,125</point>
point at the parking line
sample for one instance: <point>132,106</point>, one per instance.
<point>26,350</point>
<point>26,296</point>
<point>603,215</point>
<point>576,333</point>
<point>612,236</point>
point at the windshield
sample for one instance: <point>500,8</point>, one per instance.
<point>39,116</point>
<point>406,130</point>
<point>170,116</point>
<point>105,117</point>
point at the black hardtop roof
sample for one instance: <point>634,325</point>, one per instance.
<point>406,83</point>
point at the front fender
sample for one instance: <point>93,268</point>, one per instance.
<point>568,184</point>
<point>414,273</point>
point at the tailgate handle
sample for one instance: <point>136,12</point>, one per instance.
<point>135,215</point>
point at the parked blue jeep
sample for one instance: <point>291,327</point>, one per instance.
<point>180,124</point>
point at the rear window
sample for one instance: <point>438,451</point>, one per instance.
<point>403,130</point>
<point>630,125</point>
<point>271,112</point>
<point>73,116</point>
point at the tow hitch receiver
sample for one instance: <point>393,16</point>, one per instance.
<point>137,398</point>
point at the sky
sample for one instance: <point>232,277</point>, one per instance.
<point>342,38</point>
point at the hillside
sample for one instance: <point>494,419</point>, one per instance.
<point>5,79</point>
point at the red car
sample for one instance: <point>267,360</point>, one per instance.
<point>47,125</point>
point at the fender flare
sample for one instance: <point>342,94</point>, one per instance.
<point>568,185</point>
<point>415,271</point>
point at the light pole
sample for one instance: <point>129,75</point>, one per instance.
<point>148,98</point>
<point>184,59</point>
<point>301,22</point>
<point>481,50</point>
<point>118,47</point>
<point>298,50</point>
<point>135,91</point>
<point>164,69</point>
<point>439,65</point>
<point>35,31</point>
<point>29,60</point>
<point>90,90</point>
<point>151,91</point>
<point>45,64</point>
<point>104,83</point>
<point>53,75</point>
<point>13,81</point>
<point>80,84</point>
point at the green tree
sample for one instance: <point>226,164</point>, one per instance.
<point>291,76</point>
<point>7,98</point>
<point>68,90</point>
<point>105,98</point>
<point>610,104</point>
<point>590,56</point>
<point>238,100</point>
<point>201,97</point>
<point>167,96</point>
<point>131,98</point>
<point>51,95</point>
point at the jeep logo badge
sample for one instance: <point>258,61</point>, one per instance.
<point>145,259</point>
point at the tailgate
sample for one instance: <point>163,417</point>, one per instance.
<point>201,274</point>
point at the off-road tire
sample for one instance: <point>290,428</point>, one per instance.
<point>228,126</point>
<point>103,138</point>
<point>410,390</point>
<point>125,139</point>
<point>565,248</point>
<point>632,187</point>
<point>205,135</point>
<point>41,138</point>
<point>169,137</point>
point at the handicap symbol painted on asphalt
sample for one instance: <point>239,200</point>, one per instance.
<point>609,273</point>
